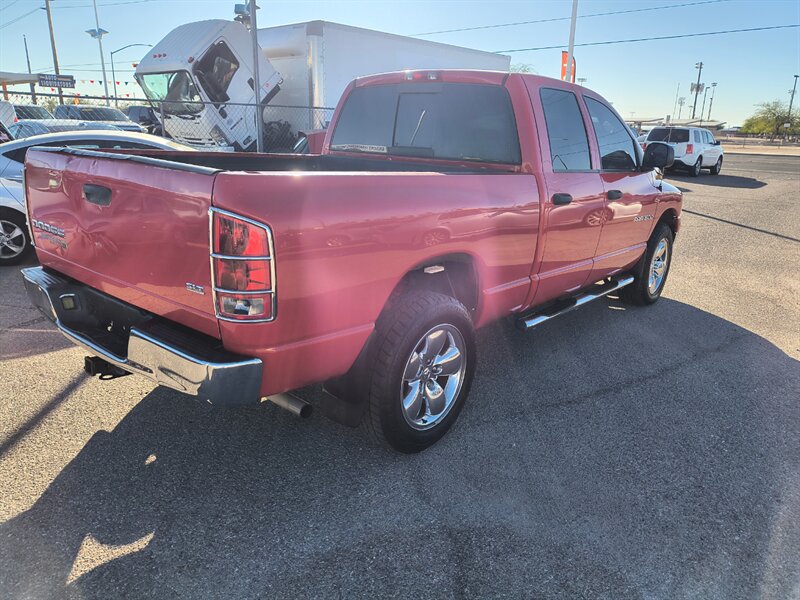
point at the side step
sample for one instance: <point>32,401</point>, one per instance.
<point>531,320</point>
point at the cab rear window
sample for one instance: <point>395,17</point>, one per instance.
<point>668,134</point>
<point>454,121</point>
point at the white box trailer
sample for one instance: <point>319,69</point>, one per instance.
<point>203,74</point>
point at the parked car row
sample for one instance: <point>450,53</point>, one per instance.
<point>24,120</point>
<point>14,234</point>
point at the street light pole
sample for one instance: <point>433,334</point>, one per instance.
<point>698,66</point>
<point>113,74</point>
<point>98,34</point>
<point>710,104</point>
<point>675,106</point>
<point>791,99</point>
<point>681,102</point>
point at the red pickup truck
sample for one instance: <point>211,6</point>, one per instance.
<point>442,200</point>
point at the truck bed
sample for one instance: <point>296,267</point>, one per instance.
<point>248,161</point>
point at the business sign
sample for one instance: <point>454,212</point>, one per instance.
<point>564,66</point>
<point>56,81</point>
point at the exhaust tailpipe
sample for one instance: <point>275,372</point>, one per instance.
<point>293,404</point>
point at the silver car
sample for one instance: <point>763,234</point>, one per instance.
<point>14,237</point>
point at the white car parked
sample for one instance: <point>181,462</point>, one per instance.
<point>14,237</point>
<point>695,148</point>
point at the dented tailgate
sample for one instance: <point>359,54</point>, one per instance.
<point>136,228</point>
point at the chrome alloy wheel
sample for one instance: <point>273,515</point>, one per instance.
<point>433,376</point>
<point>658,267</point>
<point>12,240</point>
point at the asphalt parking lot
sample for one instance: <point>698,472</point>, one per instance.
<point>614,453</point>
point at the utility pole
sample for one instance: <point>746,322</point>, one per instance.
<point>571,39</point>
<point>28,59</point>
<point>713,91</point>
<point>53,46</point>
<point>681,102</point>
<point>675,106</point>
<point>702,110</point>
<point>582,80</point>
<point>698,66</point>
<point>257,77</point>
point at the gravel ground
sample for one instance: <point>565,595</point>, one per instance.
<point>613,453</point>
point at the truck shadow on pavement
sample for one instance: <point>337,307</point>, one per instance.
<point>616,453</point>
<point>722,180</point>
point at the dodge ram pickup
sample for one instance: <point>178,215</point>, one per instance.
<point>441,201</point>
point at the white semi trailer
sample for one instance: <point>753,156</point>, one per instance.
<point>202,73</point>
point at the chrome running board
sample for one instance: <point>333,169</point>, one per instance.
<point>537,317</point>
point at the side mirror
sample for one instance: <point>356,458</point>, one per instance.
<point>717,143</point>
<point>658,155</point>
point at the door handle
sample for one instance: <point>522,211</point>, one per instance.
<point>614,194</point>
<point>97,194</point>
<point>561,199</point>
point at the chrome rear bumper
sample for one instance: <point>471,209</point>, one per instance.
<point>161,351</point>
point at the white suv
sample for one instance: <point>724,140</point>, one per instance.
<point>695,148</point>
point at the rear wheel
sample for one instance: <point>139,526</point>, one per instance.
<point>717,167</point>
<point>695,170</point>
<point>15,244</point>
<point>420,371</point>
<point>651,272</point>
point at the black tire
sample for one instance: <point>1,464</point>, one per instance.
<point>717,167</point>
<point>13,221</point>
<point>639,292</point>
<point>695,170</point>
<point>405,325</point>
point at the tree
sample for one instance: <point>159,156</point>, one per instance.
<point>769,119</point>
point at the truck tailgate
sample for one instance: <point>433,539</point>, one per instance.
<point>136,228</point>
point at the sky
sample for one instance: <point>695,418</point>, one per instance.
<point>640,79</point>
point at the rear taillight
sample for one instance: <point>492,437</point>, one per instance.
<point>242,268</point>
<point>689,148</point>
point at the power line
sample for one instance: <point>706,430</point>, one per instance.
<point>650,39</point>
<point>109,3</point>
<point>9,5</point>
<point>602,14</point>
<point>12,21</point>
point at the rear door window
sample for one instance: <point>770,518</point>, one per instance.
<point>617,151</point>
<point>569,144</point>
<point>697,138</point>
<point>454,121</point>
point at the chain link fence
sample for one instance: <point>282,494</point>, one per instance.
<point>204,125</point>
